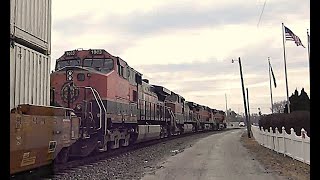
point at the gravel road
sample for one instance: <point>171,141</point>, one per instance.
<point>219,157</point>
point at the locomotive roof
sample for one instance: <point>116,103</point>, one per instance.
<point>80,53</point>
<point>162,90</point>
<point>93,53</point>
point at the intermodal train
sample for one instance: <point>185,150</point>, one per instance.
<point>98,103</point>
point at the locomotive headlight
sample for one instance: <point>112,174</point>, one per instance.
<point>69,75</point>
<point>70,72</point>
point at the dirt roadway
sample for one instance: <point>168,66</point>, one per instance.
<point>276,163</point>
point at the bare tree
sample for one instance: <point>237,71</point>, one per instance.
<point>278,107</point>
<point>232,115</point>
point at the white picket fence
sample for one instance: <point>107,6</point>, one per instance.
<point>297,147</point>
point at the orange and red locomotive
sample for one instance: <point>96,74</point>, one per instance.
<point>117,107</point>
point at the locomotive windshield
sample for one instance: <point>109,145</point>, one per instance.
<point>104,65</point>
<point>64,63</point>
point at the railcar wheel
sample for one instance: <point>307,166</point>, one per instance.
<point>63,156</point>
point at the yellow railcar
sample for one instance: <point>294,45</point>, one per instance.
<point>39,134</point>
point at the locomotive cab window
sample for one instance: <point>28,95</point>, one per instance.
<point>61,64</point>
<point>64,63</point>
<point>108,65</point>
<point>97,64</point>
<point>74,62</point>
<point>104,65</point>
<point>120,70</point>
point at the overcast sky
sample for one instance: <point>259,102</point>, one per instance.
<point>187,46</point>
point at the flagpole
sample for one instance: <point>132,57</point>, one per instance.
<point>270,86</point>
<point>285,67</point>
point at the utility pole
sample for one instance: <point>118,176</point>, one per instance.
<point>248,107</point>
<point>244,99</point>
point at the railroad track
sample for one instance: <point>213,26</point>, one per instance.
<point>55,170</point>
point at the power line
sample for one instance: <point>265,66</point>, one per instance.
<point>261,12</point>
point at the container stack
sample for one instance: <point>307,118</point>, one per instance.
<point>30,47</point>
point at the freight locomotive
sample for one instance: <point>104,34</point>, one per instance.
<point>117,107</point>
<point>98,103</point>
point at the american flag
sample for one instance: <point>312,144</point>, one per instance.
<point>290,36</point>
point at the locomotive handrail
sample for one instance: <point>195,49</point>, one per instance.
<point>162,108</point>
<point>172,115</point>
<point>98,105</point>
<point>94,91</point>
<point>105,114</point>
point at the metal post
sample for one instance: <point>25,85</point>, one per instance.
<point>270,85</point>
<point>244,100</point>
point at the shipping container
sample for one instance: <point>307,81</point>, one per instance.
<point>29,76</point>
<point>30,23</point>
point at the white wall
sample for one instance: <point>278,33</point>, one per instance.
<point>297,147</point>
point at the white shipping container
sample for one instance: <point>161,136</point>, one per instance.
<point>29,77</point>
<point>30,20</point>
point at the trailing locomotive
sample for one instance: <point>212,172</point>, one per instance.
<point>117,107</point>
